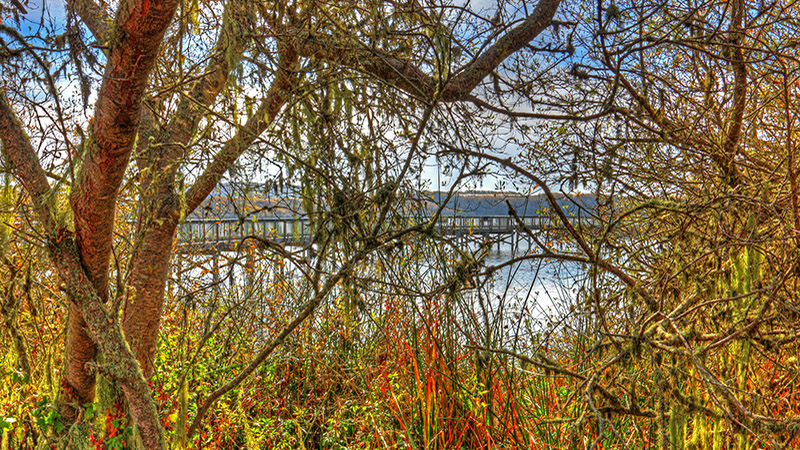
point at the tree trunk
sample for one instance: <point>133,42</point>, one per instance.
<point>119,362</point>
<point>78,386</point>
<point>143,306</point>
<point>141,26</point>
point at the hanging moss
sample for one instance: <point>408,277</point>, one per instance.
<point>698,433</point>
<point>677,420</point>
<point>717,438</point>
<point>180,439</point>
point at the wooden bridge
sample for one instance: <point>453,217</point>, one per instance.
<point>215,235</point>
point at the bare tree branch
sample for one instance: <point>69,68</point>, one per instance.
<point>23,158</point>
<point>405,75</point>
<point>269,108</point>
<point>94,16</point>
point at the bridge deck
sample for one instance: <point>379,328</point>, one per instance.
<point>225,234</point>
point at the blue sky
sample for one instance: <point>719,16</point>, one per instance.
<point>39,12</point>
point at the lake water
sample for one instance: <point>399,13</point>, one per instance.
<point>524,299</point>
<point>519,301</point>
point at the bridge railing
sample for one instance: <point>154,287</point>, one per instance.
<point>208,231</point>
<point>503,224</point>
<point>230,230</point>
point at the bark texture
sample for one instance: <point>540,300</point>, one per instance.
<point>137,33</point>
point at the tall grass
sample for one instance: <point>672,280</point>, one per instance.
<point>411,353</point>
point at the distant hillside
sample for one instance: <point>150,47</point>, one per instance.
<point>227,205</point>
<point>494,203</point>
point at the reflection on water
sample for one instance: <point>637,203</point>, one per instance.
<point>526,298</point>
<point>545,283</point>
<point>518,302</point>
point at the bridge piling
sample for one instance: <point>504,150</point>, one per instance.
<point>215,271</point>
<point>249,267</point>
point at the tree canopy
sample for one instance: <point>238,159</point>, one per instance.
<point>119,119</point>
